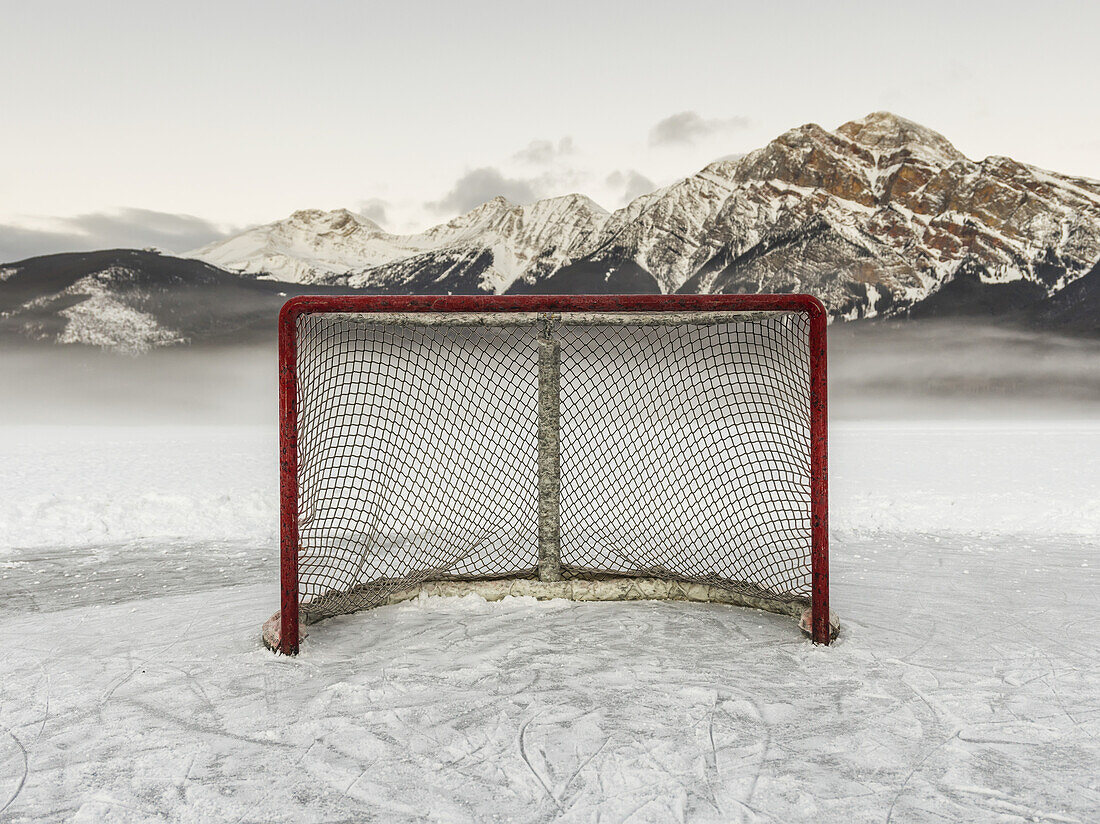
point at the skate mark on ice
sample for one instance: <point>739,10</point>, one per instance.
<point>914,771</point>
<point>26,770</point>
<point>527,761</point>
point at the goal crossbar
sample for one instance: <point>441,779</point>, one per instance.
<point>573,318</point>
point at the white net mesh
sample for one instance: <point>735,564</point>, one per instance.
<point>684,453</point>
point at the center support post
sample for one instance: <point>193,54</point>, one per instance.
<point>549,449</point>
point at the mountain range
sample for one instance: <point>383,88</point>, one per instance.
<point>881,217</point>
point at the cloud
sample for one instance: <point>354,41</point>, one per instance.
<point>632,183</point>
<point>125,228</point>
<point>687,127</point>
<point>17,243</point>
<point>374,209</point>
<point>480,185</point>
<point>544,152</point>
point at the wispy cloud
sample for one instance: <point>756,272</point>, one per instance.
<point>375,209</point>
<point>544,152</point>
<point>688,127</point>
<point>125,228</point>
<point>478,186</point>
<point>631,183</point>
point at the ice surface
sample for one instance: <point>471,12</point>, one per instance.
<point>136,565</point>
<point>83,486</point>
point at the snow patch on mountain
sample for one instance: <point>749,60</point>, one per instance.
<point>104,320</point>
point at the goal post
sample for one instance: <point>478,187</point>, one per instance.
<point>613,447</point>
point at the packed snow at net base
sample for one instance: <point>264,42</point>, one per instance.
<point>137,565</point>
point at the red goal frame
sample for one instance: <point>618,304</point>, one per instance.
<point>288,621</point>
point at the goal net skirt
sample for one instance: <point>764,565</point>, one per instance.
<point>594,448</point>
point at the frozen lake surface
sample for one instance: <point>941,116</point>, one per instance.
<point>136,565</point>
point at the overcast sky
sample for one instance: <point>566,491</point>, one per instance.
<point>148,123</point>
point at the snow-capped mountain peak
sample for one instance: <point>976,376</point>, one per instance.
<point>886,132</point>
<point>313,246</point>
<point>310,245</point>
<point>338,220</point>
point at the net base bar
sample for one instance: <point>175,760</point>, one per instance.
<point>607,588</point>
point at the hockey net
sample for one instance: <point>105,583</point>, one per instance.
<point>591,455</point>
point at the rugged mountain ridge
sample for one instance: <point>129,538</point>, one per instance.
<point>874,218</point>
<point>881,217</point>
<point>880,214</point>
<point>486,249</point>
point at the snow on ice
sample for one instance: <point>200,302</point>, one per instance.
<point>136,567</point>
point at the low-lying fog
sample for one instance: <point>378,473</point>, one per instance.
<point>926,370</point>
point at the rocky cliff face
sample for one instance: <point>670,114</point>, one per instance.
<point>874,218</point>
<point>880,214</point>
